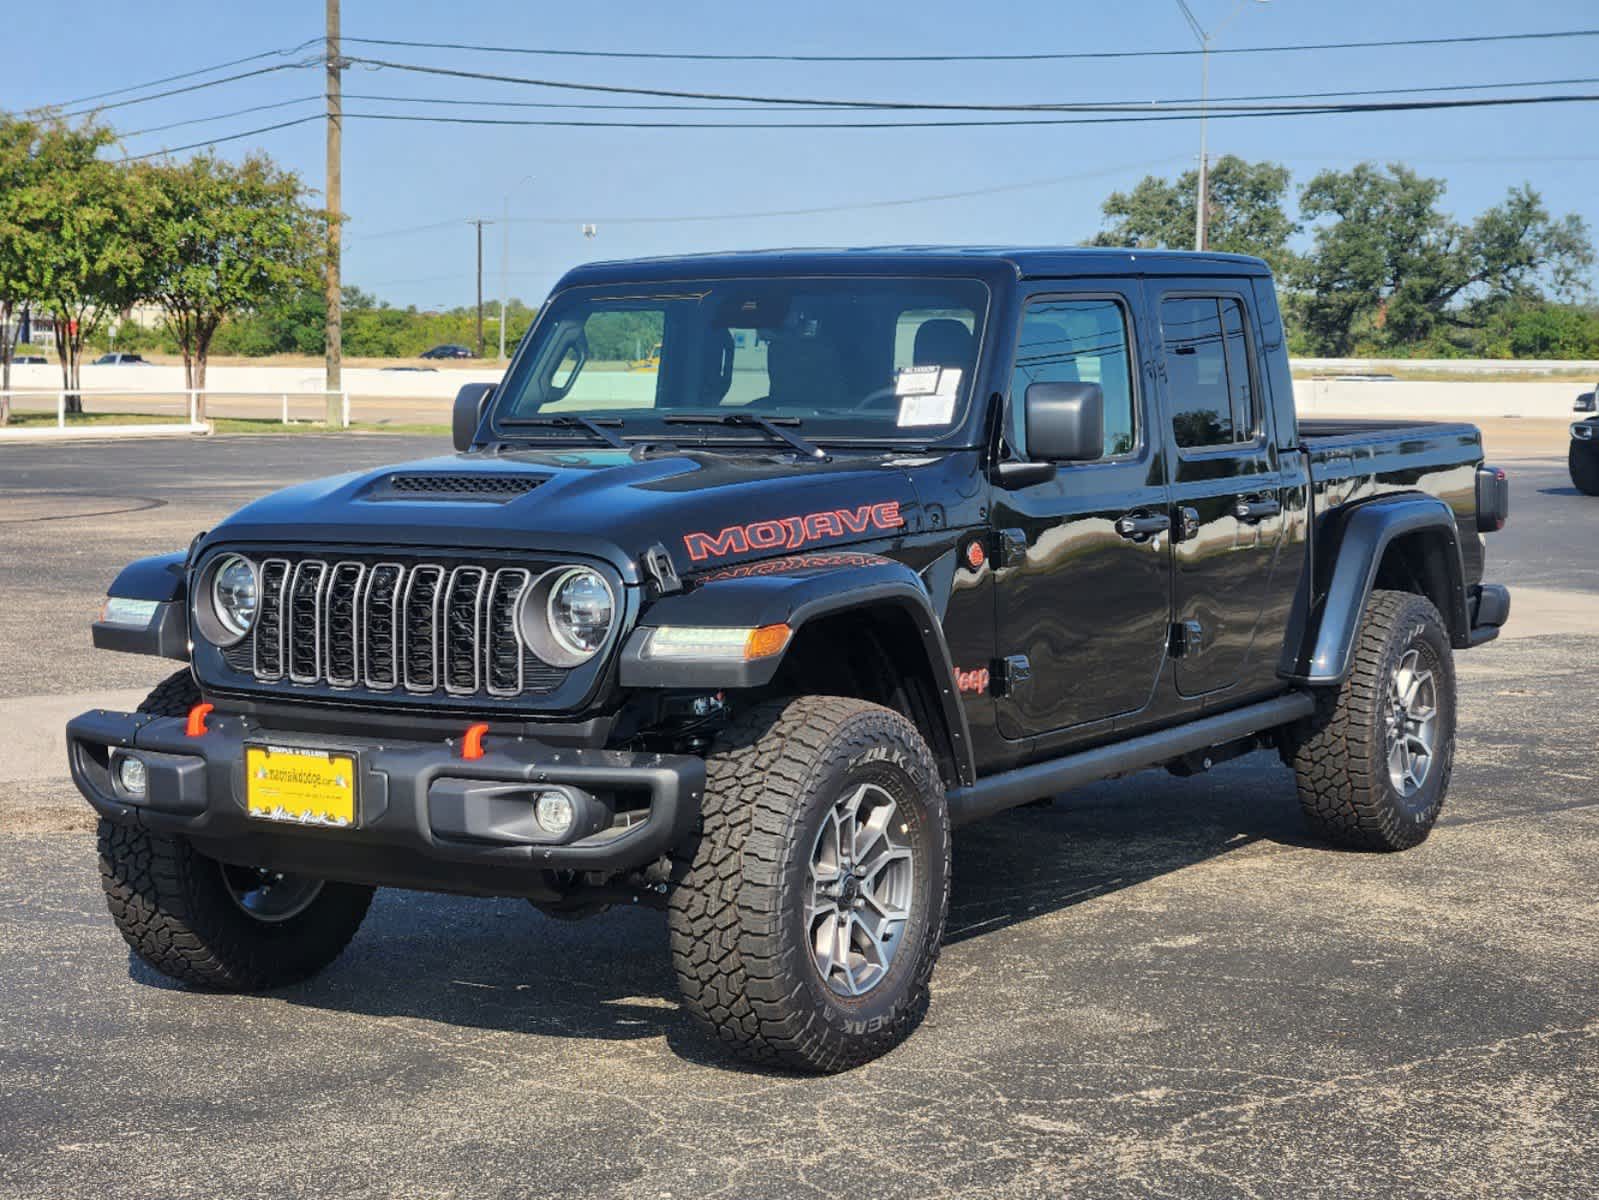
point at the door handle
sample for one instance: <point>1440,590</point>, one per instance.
<point>1139,526</point>
<point>1250,509</point>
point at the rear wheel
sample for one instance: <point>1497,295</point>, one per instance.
<point>1584,464</point>
<point>808,912</point>
<point>1373,764</point>
<point>213,924</point>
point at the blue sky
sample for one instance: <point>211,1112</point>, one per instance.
<point>398,176</point>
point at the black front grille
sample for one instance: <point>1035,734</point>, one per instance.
<point>405,627</point>
<point>445,487</point>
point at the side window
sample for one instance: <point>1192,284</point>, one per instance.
<point>1207,371</point>
<point>1077,341</point>
<point>620,367</point>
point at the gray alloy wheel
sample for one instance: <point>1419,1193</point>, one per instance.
<point>1373,762</point>
<point>1411,724</point>
<point>269,896</point>
<point>862,878</point>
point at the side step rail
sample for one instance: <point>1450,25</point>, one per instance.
<point>1022,785</point>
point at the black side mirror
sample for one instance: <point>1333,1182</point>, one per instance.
<point>470,404</point>
<point>1065,422</point>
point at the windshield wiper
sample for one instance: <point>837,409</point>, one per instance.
<point>771,427</point>
<point>573,421</point>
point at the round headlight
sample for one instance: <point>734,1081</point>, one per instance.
<point>234,595</point>
<point>580,611</point>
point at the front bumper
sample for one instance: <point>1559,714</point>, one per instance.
<point>427,817</point>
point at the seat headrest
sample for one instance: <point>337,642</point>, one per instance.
<point>943,342</point>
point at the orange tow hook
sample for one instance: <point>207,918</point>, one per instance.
<point>472,743</point>
<point>197,715</point>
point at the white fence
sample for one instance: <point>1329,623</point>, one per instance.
<point>186,400</point>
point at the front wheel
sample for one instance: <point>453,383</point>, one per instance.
<point>212,924</point>
<point>1373,764</point>
<point>809,910</point>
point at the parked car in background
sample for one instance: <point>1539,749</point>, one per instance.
<point>30,360</point>
<point>1583,457</point>
<point>448,351</point>
<point>120,360</point>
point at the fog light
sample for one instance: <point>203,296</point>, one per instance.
<point>131,775</point>
<point>555,812</point>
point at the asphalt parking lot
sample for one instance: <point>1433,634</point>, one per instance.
<point>1152,987</point>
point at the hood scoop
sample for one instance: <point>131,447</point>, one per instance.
<point>488,487</point>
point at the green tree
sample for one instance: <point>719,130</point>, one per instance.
<point>80,250</point>
<point>225,237</point>
<point>1389,270</point>
<point>1248,212</point>
<point>16,169</point>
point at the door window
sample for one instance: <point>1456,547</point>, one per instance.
<point>1207,370</point>
<point>1076,341</point>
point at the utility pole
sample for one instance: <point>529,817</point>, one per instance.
<point>1202,193</point>
<point>505,271</point>
<point>333,293</point>
<point>480,222</point>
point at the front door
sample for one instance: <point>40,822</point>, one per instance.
<point>1082,561</point>
<point>1226,487</point>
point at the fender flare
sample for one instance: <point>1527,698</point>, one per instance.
<point>161,580</point>
<point>794,591</point>
<point>1348,551</point>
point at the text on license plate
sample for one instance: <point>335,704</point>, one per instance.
<point>303,787</point>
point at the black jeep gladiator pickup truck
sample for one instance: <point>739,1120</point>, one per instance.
<point>882,542</point>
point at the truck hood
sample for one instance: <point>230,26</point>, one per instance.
<point>705,509</point>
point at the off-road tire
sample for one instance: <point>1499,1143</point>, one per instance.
<point>174,910</point>
<point>1339,756</point>
<point>1583,462</point>
<point>739,940</point>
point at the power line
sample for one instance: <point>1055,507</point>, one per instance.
<point>1037,56</point>
<point>813,102</point>
<point>139,87</point>
<point>898,202</point>
<point>641,107</point>
<point>1108,117</point>
<point>238,112</point>
<point>1118,116</point>
<point>217,141</point>
<point>194,87</point>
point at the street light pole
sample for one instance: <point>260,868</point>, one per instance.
<point>505,262</point>
<point>1202,191</point>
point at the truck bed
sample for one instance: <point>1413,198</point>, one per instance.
<point>1354,460</point>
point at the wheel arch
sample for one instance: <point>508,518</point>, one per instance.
<point>1409,543</point>
<point>863,626</point>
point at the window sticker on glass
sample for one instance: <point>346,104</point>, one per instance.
<point>917,381</point>
<point>931,408</point>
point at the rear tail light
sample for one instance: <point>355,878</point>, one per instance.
<point>1493,499</point>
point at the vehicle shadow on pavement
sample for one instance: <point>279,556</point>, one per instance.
<point>501,966</point>
<point>1113,835</point>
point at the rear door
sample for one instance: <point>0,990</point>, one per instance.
<point>1226,487</point>
<point>1082,560</point>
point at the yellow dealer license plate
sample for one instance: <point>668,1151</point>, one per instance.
<point>300,786</point>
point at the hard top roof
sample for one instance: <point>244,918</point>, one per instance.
<point>1022,262</point>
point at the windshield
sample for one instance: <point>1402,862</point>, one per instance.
<point>847,358</point>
